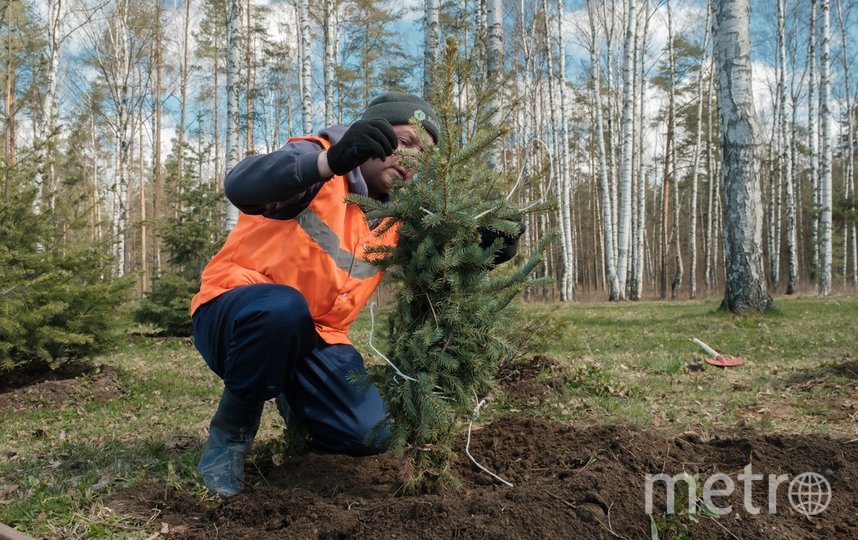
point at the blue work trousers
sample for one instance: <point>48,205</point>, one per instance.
<point>261,340</point>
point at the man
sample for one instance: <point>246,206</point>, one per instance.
<point>275,304</point>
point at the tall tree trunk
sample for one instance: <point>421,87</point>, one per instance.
<point>233,88</point>
<point>9,137</point>
<point>625,195</point>
<point>674,173</point>
<point>607,222</point>
<point>786,157</point>
<point>431,22</point>
<point>850,233</point>
<point>813,142</point>
<point>640,212</point>
<point>825,195</point>
<point>328,32</point>
<point>494,69</point>
<point>743,219</point>
<point>305,67</point>
<point>48,119</point>
<point>711,253</point>
<point>570,267</point>
<point>695,168</point>
<point>183,95</point>
<point>249,74</point>
<point>156,151</point>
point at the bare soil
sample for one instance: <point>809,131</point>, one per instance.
<point>568,482</point>
<point>40,386</point>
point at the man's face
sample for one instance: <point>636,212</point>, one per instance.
<point>380,174</point>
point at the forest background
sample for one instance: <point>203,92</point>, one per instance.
<point>121,118</point>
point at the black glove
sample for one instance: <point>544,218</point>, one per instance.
<point>510,242</point>
<point>365,139</point>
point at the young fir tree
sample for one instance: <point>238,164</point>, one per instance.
<point>58,298</point>
<point>445,332</point>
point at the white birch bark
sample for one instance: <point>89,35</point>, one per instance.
<point>640,212</point>
<point>494,68</point>
<point>305,67</point>
<point>570,267</point>
<point>233,88</point>
<point>608,232</point>
<point>48,120</point>
<point>786,158</point>
<point>431,21</point>
<point>825,191</point>
<point>625,187</point>
<point>328,32</point>
<point>850,235</point>
<point>743,219</point>
<point>674,173</point>
<point>711,253</point>
<point>695,167</point>
<point>813,140</point>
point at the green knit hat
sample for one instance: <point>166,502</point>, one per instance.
<point>400,107</point>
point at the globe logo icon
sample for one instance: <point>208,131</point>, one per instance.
<point>809,493</point>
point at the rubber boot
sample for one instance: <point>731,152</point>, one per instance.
<point>231,433</point>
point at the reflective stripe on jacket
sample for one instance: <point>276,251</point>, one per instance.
<point>320,253</point>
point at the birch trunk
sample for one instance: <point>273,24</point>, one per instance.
<point>608,232</point>
<point>183,91</point>
<point>570,267</point>
<point>305,66</point>
<point>625,195</point>
<point>431,21</point>
<point>674,175</point>
<point>48,119</point>
<point>695,168</point>
<point>329,64</point>
<point>743,219</point>
<point>850,233</point>
<point>813,142</point>
<point>156,151</point>
<point>786,158</point>
<point>825,191</point>
<point>233,88</point>
<point>494,68</point>
<point>640,233</point>
<point>711,253</point>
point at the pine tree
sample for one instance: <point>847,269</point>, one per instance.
<point>445,330</point>
<point>58,297</point>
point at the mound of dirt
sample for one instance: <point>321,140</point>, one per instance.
<point>65,386</point>
<point>568,483</point>
<point>530,380</point>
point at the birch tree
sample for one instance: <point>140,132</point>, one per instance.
<point>329,64</point>
<point>850,229</point>
<point>607,222</point>
<point>813,140</point>
<point>825,191</point>
<point>233,89</point>
<point>743,219</point>
<point>305,66</point>
<point>695,167</point>
<point>625,195</point>
<point>786,156</point>
<point>640,211</point>
<point>47,121</point>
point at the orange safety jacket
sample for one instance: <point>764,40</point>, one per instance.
<point>320,253</point>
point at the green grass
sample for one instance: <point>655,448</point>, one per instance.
<point>623,363</point>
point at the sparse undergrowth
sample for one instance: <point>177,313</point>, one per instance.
<point>618,364</point>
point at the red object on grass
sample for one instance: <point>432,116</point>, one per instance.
<point>725,361</point>
<point>717,358</point>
